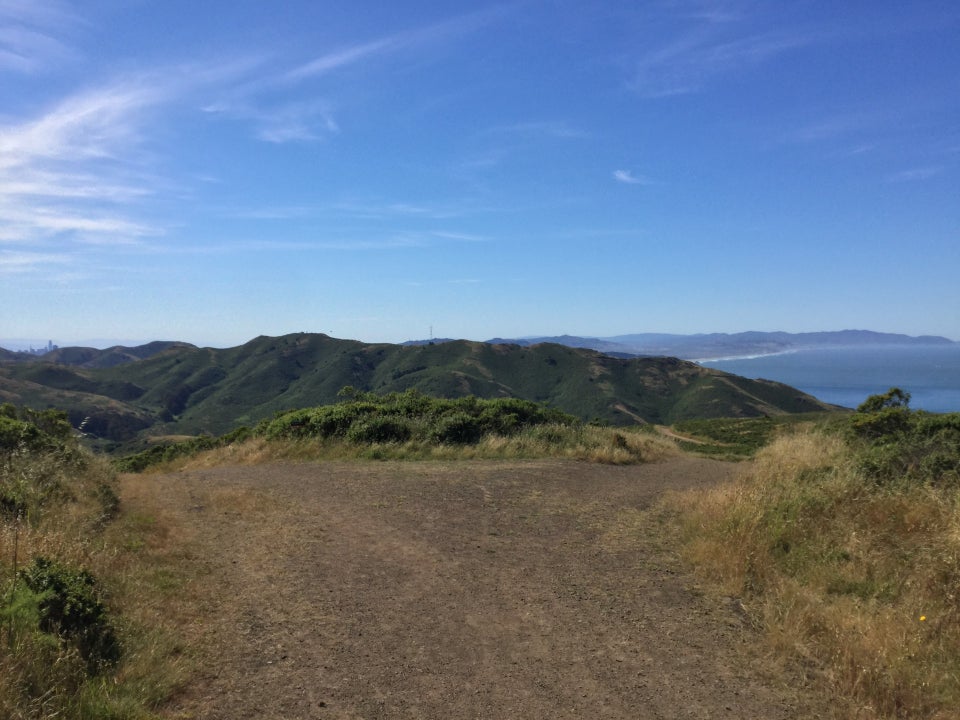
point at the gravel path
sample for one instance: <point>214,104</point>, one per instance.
<point>544,589</point>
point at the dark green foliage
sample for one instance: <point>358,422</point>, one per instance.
<point>457,428</point>
<point>17,433</point>
<point>398,417</point>
<point>899,444</point>
<point>71,609</point>
<point>883,416</point>
<point>323,422</point>
<point>380,430</point>
<point>33,429</point>
<point>362,417</point>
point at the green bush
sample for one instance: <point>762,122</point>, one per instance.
<point>411,415</point>
<point>900,444</point>
<point>52,425</point>
<point>17,433</point>
<point>380,430</point>
<point>362,417</point>
<point>70,608</point>
<point>458,428</point>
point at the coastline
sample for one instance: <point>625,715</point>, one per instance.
<point>846,376</point>
<point>754,356</point>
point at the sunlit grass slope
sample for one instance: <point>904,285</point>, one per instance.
<point>845,548</point>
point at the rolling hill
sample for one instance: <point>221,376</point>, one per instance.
<point>177,388</point>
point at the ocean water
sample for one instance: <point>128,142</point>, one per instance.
<point>847,376</point>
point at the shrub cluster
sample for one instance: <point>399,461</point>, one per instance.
<point>399,417</point>
<point>70,608</point>
<point>896,444</point>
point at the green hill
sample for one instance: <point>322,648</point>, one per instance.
<point>181,389</point>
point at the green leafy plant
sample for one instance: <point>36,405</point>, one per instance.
<point>897,444</point>
<point>70,607</point>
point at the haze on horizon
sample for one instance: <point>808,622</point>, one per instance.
<point>210,172</point>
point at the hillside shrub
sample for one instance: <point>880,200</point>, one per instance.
<point>70,608</point>
<point>379,430</point>
<point>896,444</point>
<point>16,433</point>
<point>439,420</point>
<point>457,428</point>
<point>411,425</point>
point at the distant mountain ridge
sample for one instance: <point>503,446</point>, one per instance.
<point>701,346</point>
<point>89,357</point>
<point>712,346</point>
<point>177,388</point>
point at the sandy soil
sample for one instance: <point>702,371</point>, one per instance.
<point>543,589</point>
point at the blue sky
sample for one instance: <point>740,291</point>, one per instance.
<point>212,171</point>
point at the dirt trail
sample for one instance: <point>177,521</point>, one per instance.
<point>462,590</point>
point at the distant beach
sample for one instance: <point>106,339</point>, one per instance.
<point>733,358</point>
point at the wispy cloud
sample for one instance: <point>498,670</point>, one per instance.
<point>60,171</point>
<point>444,31</point>
<point>393,242</point>
<point>687,44</point>
<point>256,99</point>
<point>913,174</point>
<point>29,31</point>
<point>458,236</point>
<point>540,128</point>
<point>627,177</point>
<point>280,125</point>
<point>13,262</point>
<point>688,64</point>
<point>95,124</point>
<point>343,57</point>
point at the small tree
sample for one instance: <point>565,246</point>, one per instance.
<point>883,417</point>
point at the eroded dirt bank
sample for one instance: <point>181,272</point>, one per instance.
<point>452,590</point>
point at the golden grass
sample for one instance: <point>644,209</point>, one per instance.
<point>859,580</point>
<point>587,443</point>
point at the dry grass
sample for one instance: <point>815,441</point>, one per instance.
<point>858,579</point>
<point>587,443</point>
<point>42,678</point>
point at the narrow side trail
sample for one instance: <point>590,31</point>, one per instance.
<point>544,589</point>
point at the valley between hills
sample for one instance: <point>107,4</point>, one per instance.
<point>125,396</point>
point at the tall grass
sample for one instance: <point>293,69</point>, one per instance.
<point>74,640</point>
<point>853,571</point>
<point>585,443</point>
